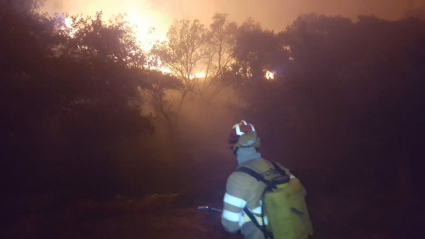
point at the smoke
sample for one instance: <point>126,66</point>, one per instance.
<point>273,14</point>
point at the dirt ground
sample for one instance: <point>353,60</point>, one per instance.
<point>351,214</point>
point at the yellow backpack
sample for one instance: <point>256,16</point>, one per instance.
<point>284,211</point>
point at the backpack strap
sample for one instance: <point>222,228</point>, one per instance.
<point>260,177</point>
<point>269,185</point>
<point>251,216</point>
<point>256,175</point>
<point>279,169</point>
<point>267,235</point>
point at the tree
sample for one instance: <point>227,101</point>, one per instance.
<point>68,98</point>
<point>157,85</point>
<point>182,54</point>
<point>184,51</point>
<point>221,44</point>
<point>257,51</point>
<point>92,38</point>
<point>352,94</point>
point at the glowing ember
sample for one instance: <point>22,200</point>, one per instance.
<point>198,75</point>
<point>269,75</point>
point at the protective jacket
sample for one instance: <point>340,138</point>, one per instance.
<point>242,190</point>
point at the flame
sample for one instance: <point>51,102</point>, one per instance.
<point>150,23</point>
<point>269,75</point>
<point>198,75</point>
<point>144,29</point>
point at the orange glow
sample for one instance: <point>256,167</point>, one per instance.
<point>150,21</point>
<point>198,75</point>
<point>161,69</point>
<point>269,75</point>
<point>274,15</point>
<point>277,15</point>
<point>145,31</point>
<point>67,26</point>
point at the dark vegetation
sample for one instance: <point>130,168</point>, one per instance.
<point>344,112</point>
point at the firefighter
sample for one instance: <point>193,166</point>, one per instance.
<point>242,190</point>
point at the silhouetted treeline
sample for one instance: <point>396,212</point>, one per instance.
<point>349,102</point>
<point>345,103</point>
<point>345,113</point>
<point>66,101</point>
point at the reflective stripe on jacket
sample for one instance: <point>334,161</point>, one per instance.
<point>243,190</point>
